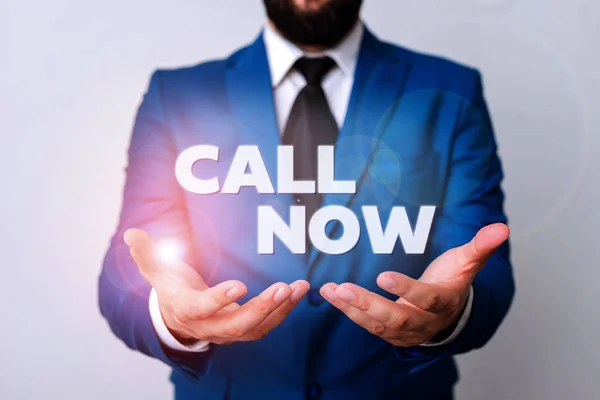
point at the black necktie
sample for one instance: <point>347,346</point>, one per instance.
<point>310,124</point>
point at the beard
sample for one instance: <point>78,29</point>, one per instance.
<point>324,27</point>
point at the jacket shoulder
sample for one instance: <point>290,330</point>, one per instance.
<point>437,71</point>
<point>210,71</point>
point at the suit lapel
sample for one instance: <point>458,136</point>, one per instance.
<point>250,95</point>
<point>378,83</point>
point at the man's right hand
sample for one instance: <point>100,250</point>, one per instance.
<point>193,311</point>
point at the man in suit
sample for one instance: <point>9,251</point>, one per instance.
<point>410,129</point>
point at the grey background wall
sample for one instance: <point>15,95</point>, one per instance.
<point>72,74</point>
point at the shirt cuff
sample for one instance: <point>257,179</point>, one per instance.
<point>462,322</point>
<point>163,333</point>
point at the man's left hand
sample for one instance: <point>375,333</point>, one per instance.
<point>425,307</point>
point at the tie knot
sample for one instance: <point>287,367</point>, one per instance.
<point>314,69</point>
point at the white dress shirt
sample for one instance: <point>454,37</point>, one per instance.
<point>287,84</point>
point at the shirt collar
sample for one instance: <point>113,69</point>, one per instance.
<point>282,54</point>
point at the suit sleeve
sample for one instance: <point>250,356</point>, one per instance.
<point>153,201</point>
<point>473,199</point>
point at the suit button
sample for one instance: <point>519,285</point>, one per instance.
<point>298,200</point>
<point>314,297</point>
<point>313,392</point>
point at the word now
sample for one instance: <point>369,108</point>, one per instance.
<point>383,241</point>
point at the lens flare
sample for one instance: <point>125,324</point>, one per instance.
<point>169,250</point>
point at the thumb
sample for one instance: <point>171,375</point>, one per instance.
<point>484,244</point>
<point>142,250</point>
<point>160,269</point>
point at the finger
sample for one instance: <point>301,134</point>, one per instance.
<point>237,323</point>
<point>141,248</point>
<point>425,296</point>
<point>299,289</point>
<point>144,252</point>
<point>409,334</point>
<point>391,314</point>
<point>483,245</point>
<point>328,291</point>
<point>196,305</point>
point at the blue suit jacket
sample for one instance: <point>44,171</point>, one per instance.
<point>417,132</point>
